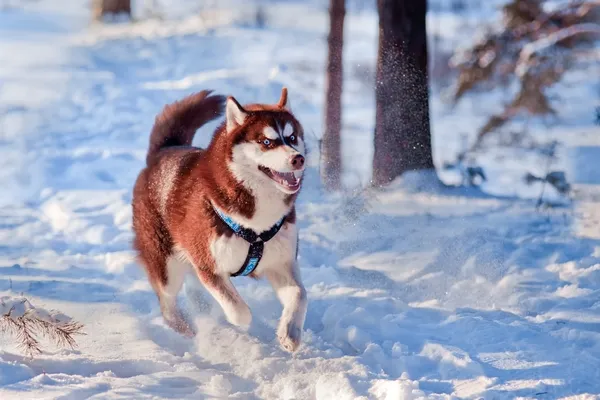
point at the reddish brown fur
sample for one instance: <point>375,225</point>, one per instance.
<point>178,122</point>
<point>201,177</point>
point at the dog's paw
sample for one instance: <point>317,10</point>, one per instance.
<point>289,335</point>
<point>239,316</point>
<point>181,326</point>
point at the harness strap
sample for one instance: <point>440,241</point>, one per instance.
<point>257,241</point>
<point>255,253</point>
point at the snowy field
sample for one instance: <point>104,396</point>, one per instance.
<point>420,291</point>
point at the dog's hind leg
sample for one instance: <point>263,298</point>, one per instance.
<point>155,252</point>
<point>177,268</point>
<point>166,275</point>
<point>165,270</point>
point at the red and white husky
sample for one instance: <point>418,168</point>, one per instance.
<point>250,174</point>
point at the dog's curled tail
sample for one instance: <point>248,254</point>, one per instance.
<point>178,122</point>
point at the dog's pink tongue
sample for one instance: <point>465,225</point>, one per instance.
<point>290,178</point>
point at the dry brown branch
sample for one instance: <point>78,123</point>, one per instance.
<point>531,49</point>
<point>534,47</point>
<point>27,323</point>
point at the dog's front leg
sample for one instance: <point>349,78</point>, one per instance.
<point>292,295</point>
<point>236,310</point>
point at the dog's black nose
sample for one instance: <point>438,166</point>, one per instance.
<point>298,161</point>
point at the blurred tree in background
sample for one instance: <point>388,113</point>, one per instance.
<point>101,9</point>
<point>331,144</point>
<point>402,133</point>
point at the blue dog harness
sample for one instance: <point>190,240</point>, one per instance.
<point>257,241</point>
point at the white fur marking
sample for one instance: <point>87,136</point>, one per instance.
<point>177,268</point>
<point>269,199</point>
<point>237,313</point>
<point>229,254</point>
<point>278,159</point>
<point>270,133</point>
<point>292,295</point>
<point>178,265</point>
<point>300,146</point>
<point>288,130</point>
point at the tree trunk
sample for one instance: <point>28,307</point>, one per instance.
<point>103,8</point>
<point>402,135</point>
<point>330,151</point>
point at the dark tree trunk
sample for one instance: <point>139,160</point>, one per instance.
<point>331,152</point>
<point>402,136</point>
<point>103,8</point>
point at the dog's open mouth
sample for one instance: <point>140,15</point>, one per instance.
<point>288,180</point>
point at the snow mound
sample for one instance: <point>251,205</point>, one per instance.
<point>19,307</point>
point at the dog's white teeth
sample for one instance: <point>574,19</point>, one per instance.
<point>285,178</point>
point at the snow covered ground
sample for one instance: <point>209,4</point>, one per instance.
<point>420,291</point>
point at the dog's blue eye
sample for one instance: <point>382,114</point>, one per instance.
<point>293,138</point>
<point>266,142</point>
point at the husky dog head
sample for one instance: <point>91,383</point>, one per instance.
<point>267,145</point>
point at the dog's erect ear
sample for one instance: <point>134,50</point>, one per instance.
<point>284,101</point>
<point>234,114</point>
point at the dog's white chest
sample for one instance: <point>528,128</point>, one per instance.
<point>230,252</point>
